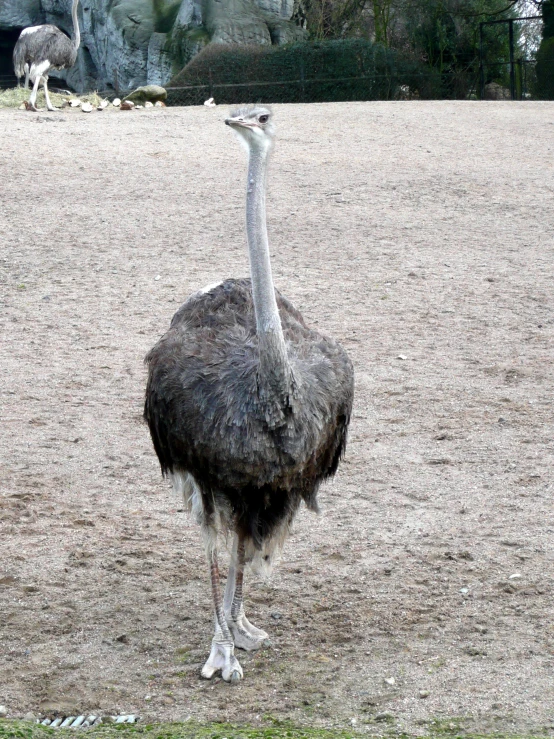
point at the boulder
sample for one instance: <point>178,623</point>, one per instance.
<point>129,43</point>
<point>147,93</point>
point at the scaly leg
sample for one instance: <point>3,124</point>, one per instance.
<point>33,98</point>
<point>246,635</point>
<point>222,656</point>
<point>46,95</point>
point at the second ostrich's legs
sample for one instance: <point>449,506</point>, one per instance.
<point>245,635</point>
<point>33,98</point>
<point>222,655</point>
<point>46,95</point>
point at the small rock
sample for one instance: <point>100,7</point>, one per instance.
<point>148,104</point>
<point>384,716</point>
<point>390,680</point>
<point>423,693</point>
<point>276,615</point>
<point>29,717</point>
<point>474,651</point>
<point>209,103</point>
<point>74,103</point>
<point>86,107</point>
<point>126,105</point>
<point>515,576</point>
<point>103,104</point>
<point>353,721</point>
<point>464,591</point>
<point>122,639</point>
<point>159,104</point>
<point>3,711</point>
<point>401,356</point>
<point>22,107</point>
<point>116,102</point>
<point>158,277</point>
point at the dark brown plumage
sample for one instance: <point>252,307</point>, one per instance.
<point>207,418</point>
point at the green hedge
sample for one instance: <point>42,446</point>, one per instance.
<point>349,69</point>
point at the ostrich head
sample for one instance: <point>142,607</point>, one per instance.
<point>253,125</point>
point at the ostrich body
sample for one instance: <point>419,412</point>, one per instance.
<point>248,410</point>
<point>41,48</point>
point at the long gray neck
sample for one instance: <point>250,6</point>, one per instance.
<point>275,373</point>
<point>76,35</point>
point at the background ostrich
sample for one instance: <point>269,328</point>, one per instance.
<point>41,48</point>
<point>248,410</point>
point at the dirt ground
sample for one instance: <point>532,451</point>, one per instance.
<point>419,234</point>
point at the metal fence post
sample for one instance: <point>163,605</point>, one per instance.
<point>512,66</point>
<point>481,68</point>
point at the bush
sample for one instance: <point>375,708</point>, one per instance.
<point>339,70</point>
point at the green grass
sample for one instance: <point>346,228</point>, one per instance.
<point>436,729</point>
<point>186,730</point>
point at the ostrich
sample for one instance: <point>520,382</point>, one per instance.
<point>248,410</point>
<point>41,48</point>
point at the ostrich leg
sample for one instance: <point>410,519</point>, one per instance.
<point>33,98</point>
<point>46,95</point>
<point>246,635</point>
<point>26,76</point>
<point>222,656</point>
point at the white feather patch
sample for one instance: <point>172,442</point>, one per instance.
<point>31,29</point>
<point>207,289</point>
<point>38,70</point>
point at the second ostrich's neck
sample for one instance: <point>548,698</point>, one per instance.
<point>76,35</point>
<point>274,365</point>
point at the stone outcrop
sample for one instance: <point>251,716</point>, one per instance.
<point>128,43</point>
<point>147,94</point>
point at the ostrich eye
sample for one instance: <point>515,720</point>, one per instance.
<point>263,118</point>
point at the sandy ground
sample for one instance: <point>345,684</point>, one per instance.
<point>421,235</point>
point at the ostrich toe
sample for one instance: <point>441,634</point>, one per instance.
<point>246,635</point>
<point>222,658</point>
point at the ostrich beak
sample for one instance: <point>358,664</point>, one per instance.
<point>238,122</point>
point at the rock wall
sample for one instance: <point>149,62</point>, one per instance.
<point>127,43</point>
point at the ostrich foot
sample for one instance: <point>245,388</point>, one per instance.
<point>245,635</point>
<point>31,106</point>
<point>222,658</point>
<point>52,108</point>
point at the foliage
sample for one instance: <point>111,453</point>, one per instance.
<point>336,70</point>
<point>545,54</point>
<point>165,15</point>
<point>443,34</point>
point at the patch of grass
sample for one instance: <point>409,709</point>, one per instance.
<point>273,729</point>
<point>186,730</point>
<point>16,96</point>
